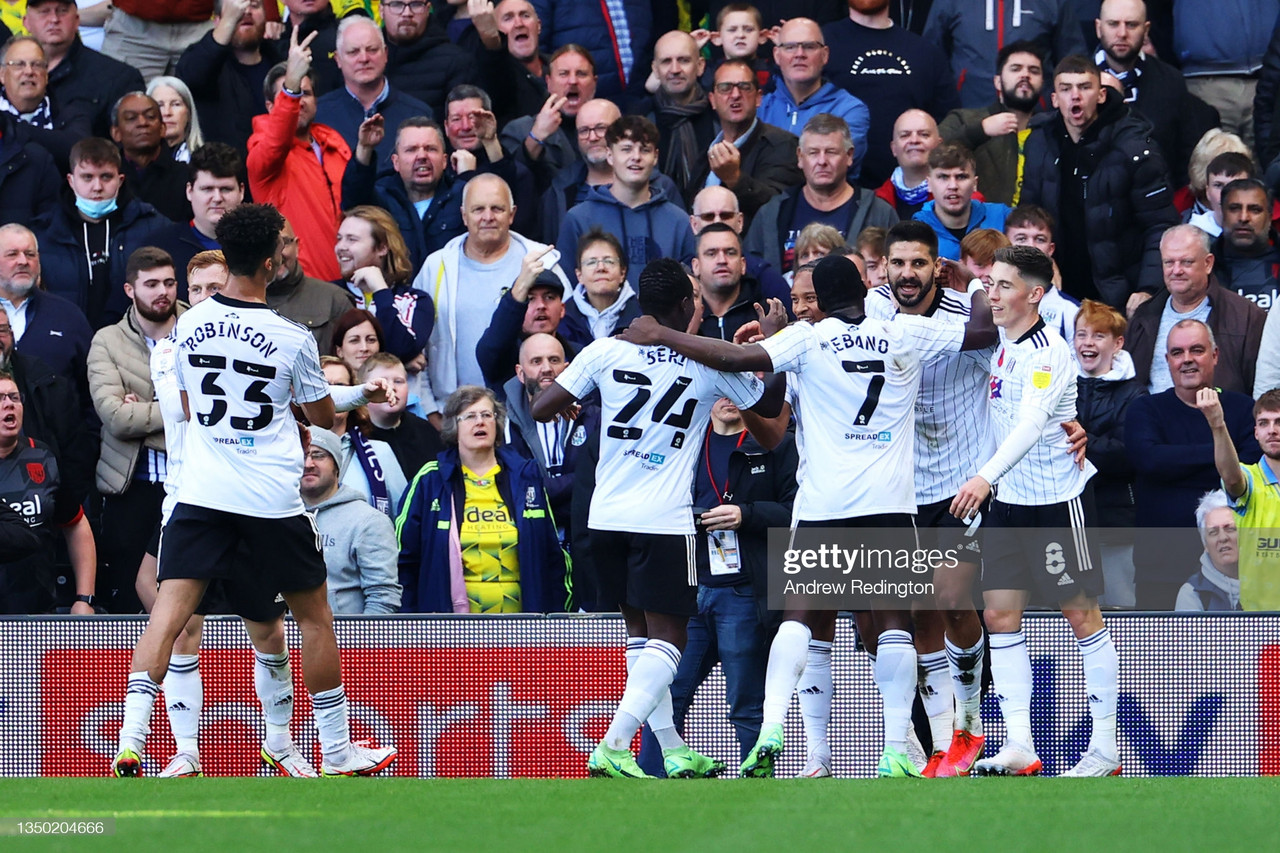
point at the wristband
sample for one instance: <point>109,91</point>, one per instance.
<point>87,599</point>
<point>286,90</point>
<point>536,139</point>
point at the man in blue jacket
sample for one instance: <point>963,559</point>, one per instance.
<point>953,213</point>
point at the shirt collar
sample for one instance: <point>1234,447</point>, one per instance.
<point>741,140</point>
<point>382,96</point>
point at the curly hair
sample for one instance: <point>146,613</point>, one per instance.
<point>249,235</point>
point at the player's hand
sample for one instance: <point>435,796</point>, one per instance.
<point>81,609</point>
<point>970,498</point>
<point>380,390</point>
<point>955,275</point>
<point>299,61</point>
<point>369,279</point>
<point>1135,301</point>
<point>548,119</point>
<point>726,162</point>
<point>463,161</point>
<point>1077,441</point>
<point>748,333</point>
<point>1000,124</point>
<point>723,517</point>
<point>644,331</point>
<point>417,364</point>
<point>533,265</point>
<point>1210,405</point>
<point>772,321</point>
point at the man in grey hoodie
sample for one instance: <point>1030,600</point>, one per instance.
<point>360,547</point>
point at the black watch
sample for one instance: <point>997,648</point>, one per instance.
<point>87,599</point>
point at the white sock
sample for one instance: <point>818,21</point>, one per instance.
<point>966,681</point>
<point>895,676</point>
<point>635,645</point>
<point>1101,680</point>
<point>786,664</point>
<point>815,690</point>
<point>139,698</point>
<point>330,710</point>
<point>273,681</point>
<point>649,679</point>
<point>662,720</point>
<point>184,699</point>
<point>1011,677</point>
<point>935,693</point>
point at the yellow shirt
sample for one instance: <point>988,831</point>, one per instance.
<point>1258,524</point>
<point>1022,161</point>
<point>11,12</point>
<point>490,564</point>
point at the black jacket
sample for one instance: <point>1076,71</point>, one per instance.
<point>162,184</point>
<point>739,314</point>
<point>29,181</point>
<point>179,240</point>
<point>91,83</point>
<point>225,103</point>
<point>1101,406</point>
<point>52,414</point>
<point>767,237</point>
<point>498,350</point>
<point>70,124</point>
<point>1127,203</point>
<point>1178,118</point>
<point>514,90</point>
<point>768,167</point>
<point>59,335</point>
<point>428,69</point>
<point>1266,102</point>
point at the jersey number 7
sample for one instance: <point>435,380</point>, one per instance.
<point>874,387</point>
<point>681,420</point>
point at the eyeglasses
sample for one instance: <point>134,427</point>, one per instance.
<point>23,64</point>
<point>317,455</point>
<point>397,6</point>
<point>806,46</point>
<point>471,417</point>
<point>596,130</point>
<point>592,263</point>
<point>6,330</point>
<point>12,397</point>
<point>713,215</point>
<point>746,87</point>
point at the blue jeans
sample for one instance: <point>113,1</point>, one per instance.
<point>727,630</point>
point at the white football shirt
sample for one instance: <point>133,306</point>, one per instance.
<point>1036,372</point>
<point>655,406</point>
<point>951,411</point>
<point>859,383</point>
<point>241,365</point>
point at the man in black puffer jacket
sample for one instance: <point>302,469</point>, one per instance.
<point>423,62</point>
<point>1096,169</point>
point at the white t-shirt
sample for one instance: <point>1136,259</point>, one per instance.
<point>655,406</point>
<point>859,382</point>
<point>1036,372</point>
<point>951,411</point>
<point>241,365</point>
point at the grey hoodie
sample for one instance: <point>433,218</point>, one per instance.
<point>360,552</point>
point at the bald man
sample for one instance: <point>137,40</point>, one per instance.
<point>915,134</point>
<point>680,108</point>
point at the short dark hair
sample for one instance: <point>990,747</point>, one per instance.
<point>1268,401</point>
<point>464,91</point>
<point>596,234</point>
<point>1032,264</point>
<point>572,48</point>
<point>348,320</point>
<point>738,63</point>
<point>95,150</point>
<point>912,231</point>
<point>838,284</point>
<point>417,121</point>
<point>636,128</point>
<point>1244,185</point>
<point>1029,216</point>
<point>1231,163</point>
<point>218,159</point>
<point>664,284</point>
<point>1076,64</point>
<point>275,75</point>
<point>249,235</point>
<point>143,259</point>
<point>115,108</point>
<point>715,228</point>
<point>952,155</point>
<point>1021,46</point>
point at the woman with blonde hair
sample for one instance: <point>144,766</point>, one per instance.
<point>1193,200</point>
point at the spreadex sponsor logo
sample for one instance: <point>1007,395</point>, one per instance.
<point>883,437</point>
<point>652,458</point>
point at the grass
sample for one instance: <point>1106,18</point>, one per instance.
<point>562,815</point>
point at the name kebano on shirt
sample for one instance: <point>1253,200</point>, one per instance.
<point>229,328</point>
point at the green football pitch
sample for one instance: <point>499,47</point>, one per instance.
<point>560,815</point>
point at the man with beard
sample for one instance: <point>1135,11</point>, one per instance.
<point>680,108</point>
<point>526,309</point>
<point>132,466</point>
<point>890,69</point>
<point>997,133</point>
<point>421,193</point>
<point>225,71</point>
<point>421,61</point>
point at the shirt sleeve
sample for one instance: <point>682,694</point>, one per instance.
<point>929,337</point>
<point>309,384</point>
<point>1241,504</point>
<point>1050,374</point>
<point>579,377</point>
<point>789,349</point>
<point>164,378</point>
<point>742,388</point>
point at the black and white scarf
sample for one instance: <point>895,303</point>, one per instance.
<point>41,116</point>
<point>1128,79</point>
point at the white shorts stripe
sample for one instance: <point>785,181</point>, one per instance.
<point>1076,510</point>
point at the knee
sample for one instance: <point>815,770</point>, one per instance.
<point>1003,621</point>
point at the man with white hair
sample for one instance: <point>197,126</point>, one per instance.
<point>366,94</point>
<point>488,258</point>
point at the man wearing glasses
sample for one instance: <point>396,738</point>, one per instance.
<point>752,159</point>
<point>801,55</point>
<point>422,63</point>
<point>24,81</point>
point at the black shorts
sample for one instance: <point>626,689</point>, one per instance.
<point>886,520</point>
<point>941,530</point>
<point>245,596</point>
<point>654,572</point>
<point>274,554</point>
<point>1045,550</point>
